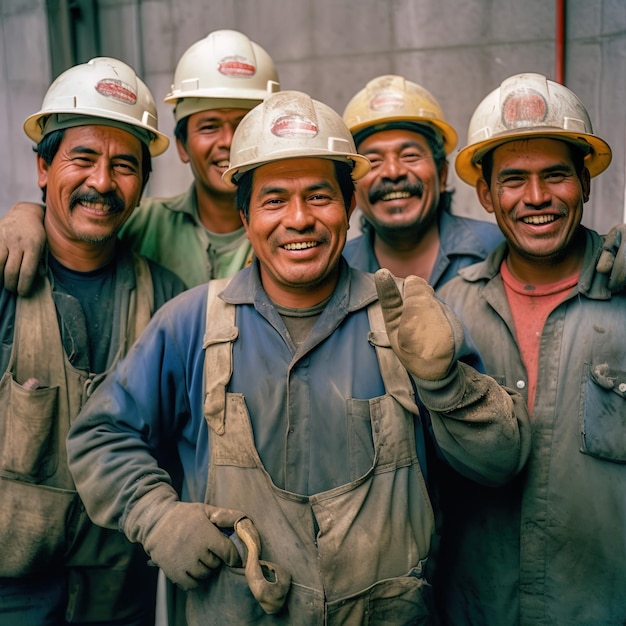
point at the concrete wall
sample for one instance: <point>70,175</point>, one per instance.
<point>458,49</point>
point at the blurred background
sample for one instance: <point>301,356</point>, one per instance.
<point>460,50</point>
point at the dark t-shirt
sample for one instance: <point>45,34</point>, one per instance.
<point>85,303</point>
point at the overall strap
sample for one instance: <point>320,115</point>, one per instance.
<point>220,332</point>
<point>141,306</point>
<point>37,332</point>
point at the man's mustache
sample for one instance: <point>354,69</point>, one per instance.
<point>109,199</point>
<point>380,191</point>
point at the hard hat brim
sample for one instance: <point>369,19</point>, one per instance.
<point>467,163</point>
<point>450,137</point>
<point>360,164</point>
<point>33,127</point>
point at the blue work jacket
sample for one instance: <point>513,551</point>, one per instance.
<point>462,242</point>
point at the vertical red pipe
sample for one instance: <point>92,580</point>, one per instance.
<point>559,70</point>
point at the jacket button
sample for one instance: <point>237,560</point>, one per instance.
<point>520,384</point>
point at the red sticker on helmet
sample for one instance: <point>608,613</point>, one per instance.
<point>116,89</point>
<point>294,126</point>
<point>386,101</point>
<point>525,108</point>
<point>236,66</point>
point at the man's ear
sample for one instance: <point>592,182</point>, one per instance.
<point>182,151</point>
<point>585,181</point>
<point>484,195</point>
<point>42,173</point>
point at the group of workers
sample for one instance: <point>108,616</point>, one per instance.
<point>293,428</point>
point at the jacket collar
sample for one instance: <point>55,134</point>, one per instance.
<point>354,289</point>
<point>591,283</point>
<point>185,203</point>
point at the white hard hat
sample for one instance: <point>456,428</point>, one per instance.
<point>525,106</point>
<point>288,125</point>
<point>101,89</point>
<point>390,99</point>
<point>225,70</point>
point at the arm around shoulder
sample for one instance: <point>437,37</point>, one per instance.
<point>22,242</point>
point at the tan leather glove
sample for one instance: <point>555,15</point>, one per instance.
<point>423,332</point>
<point>612,260</point>
<point>22,242</point>
<point>183,538</point>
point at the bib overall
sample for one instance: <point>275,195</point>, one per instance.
<point>356,553</point>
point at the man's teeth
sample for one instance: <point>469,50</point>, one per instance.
<point>539,219</point>
<point>96,206</point>
<point>300,246</point>
<point>396,195</point>
<point>223,163</point>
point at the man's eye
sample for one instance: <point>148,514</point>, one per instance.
<point>512,180</point>
<point>126,168</point>
<point>319,198</point>
<point>413,156</point>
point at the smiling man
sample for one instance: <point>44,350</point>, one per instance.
<point>197,234</point>
<point>300,398</point>
<point>95,135</point>
<point>549,548</point>
<point>408,224</point>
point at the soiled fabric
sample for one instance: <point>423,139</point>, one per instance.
<point>311,414</point>
<point>550,548</point>
<point>58,567</point>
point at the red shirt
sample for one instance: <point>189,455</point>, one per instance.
<point>530,307</point>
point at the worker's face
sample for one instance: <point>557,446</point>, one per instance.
<point>536,196</point>
<point>297,225</point>
<point>209,135</point>
<point>92,185</point>
<point>402,190</point>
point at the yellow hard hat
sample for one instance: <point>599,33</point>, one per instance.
<point>525,106</point>
<point>225,70</point>
<point>103,89</point>
<point>393,99</point>
<point>289,125</point>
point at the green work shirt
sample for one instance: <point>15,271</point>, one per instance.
<point>168,231</point>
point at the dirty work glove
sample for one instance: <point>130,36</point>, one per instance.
<point>22,242</point>
<point>423,332</point>
<point>183,538</point>
<point>612,261</point>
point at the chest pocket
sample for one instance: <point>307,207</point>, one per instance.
<point>603,419</point>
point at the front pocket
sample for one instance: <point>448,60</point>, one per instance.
<point>28,430</point>
<point>34,523</point>
<point>603,421</point>
<point>402,601</point>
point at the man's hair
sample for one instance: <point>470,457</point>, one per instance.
<point>576,154</point>
<point>435,142</point>
<point>181,130</point>
<point>433,137</point>
<point>343,174</point>
<point>49,146</point>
